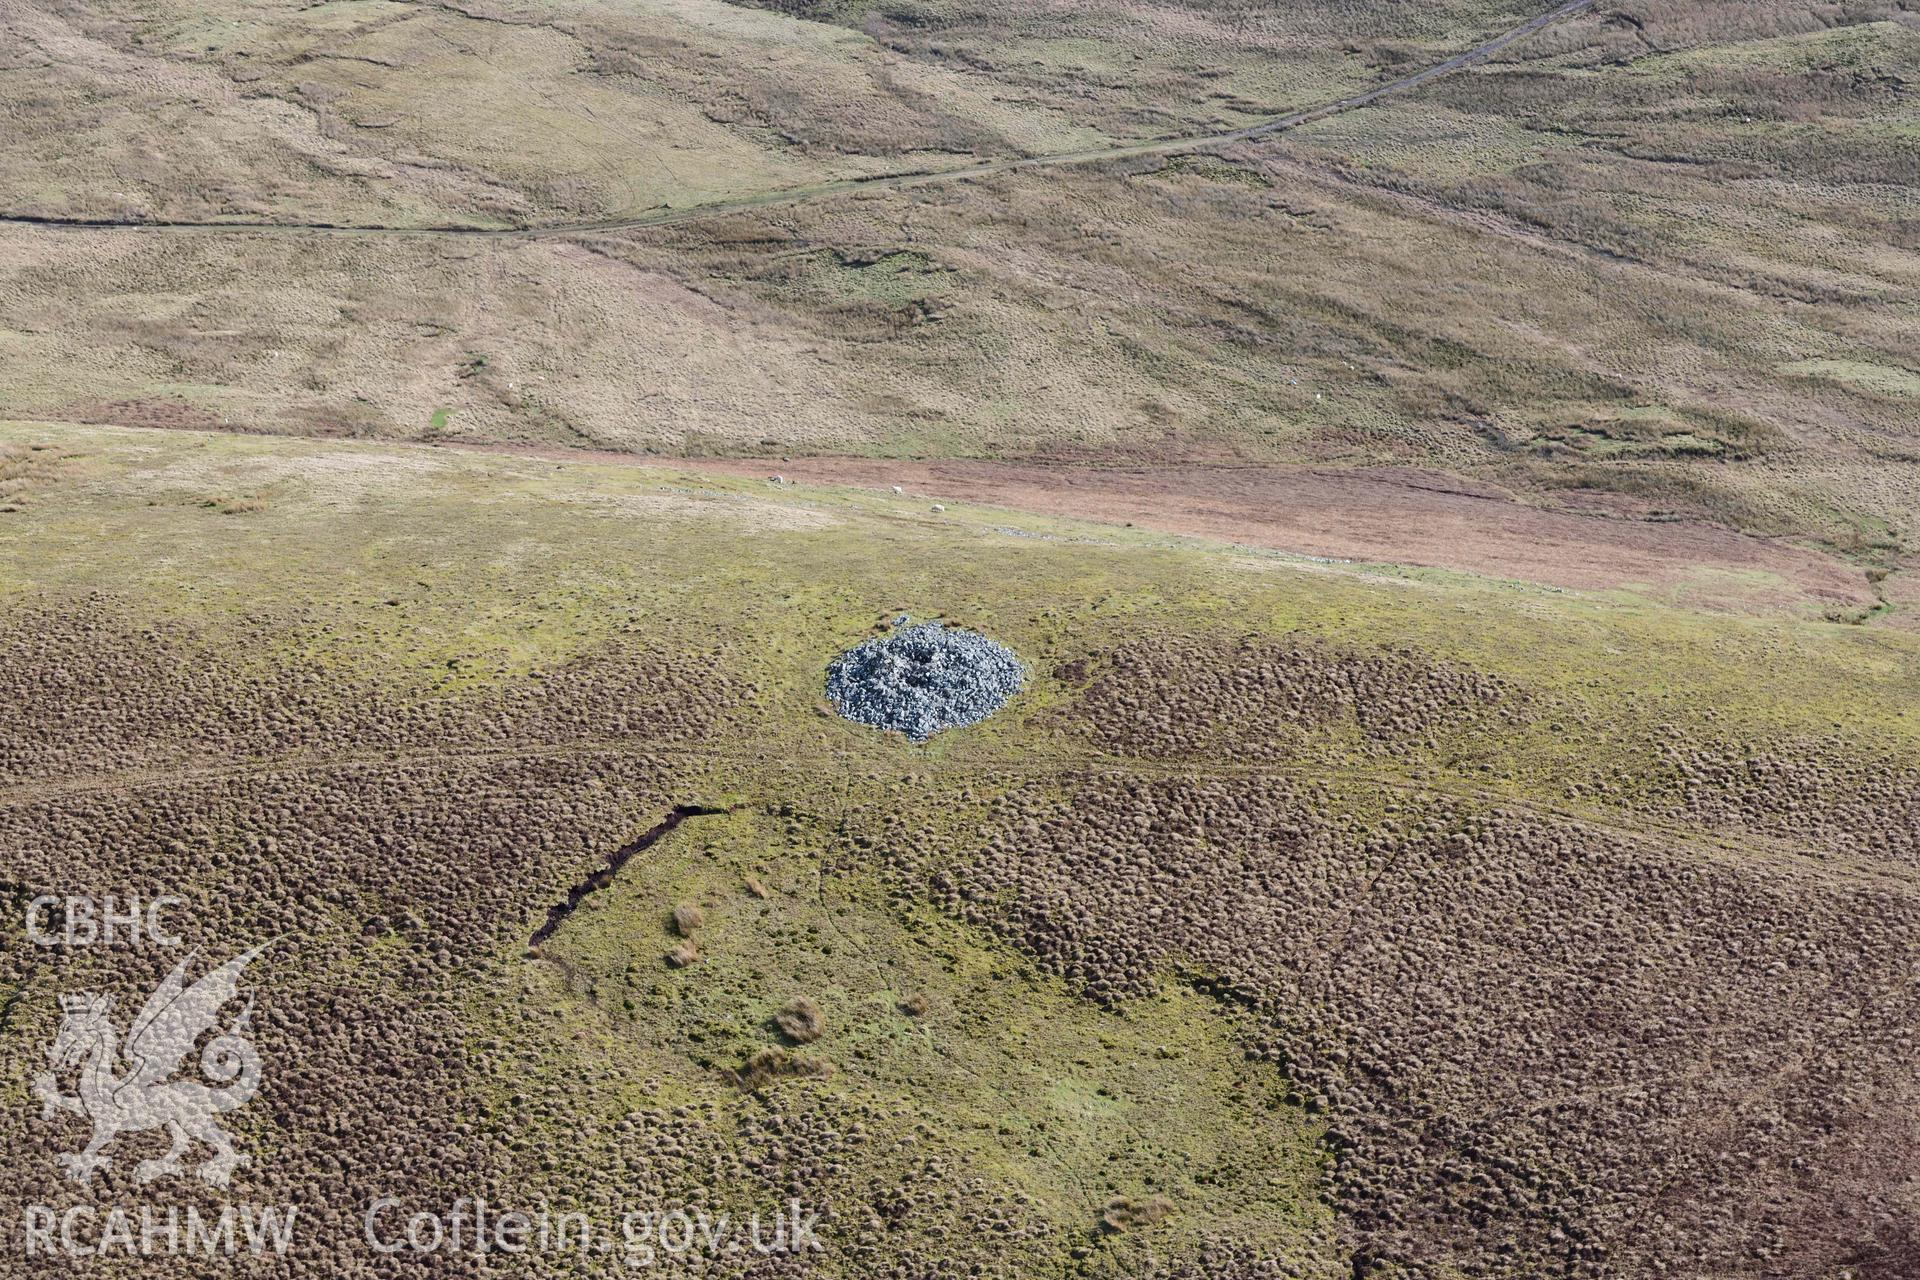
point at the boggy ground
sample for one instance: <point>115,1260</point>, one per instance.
<point>1300,919</point>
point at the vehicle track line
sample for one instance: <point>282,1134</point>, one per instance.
<point>848,186</point>
<point>1739,846</point>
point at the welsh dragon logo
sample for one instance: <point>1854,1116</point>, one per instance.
<point>130,1089</point>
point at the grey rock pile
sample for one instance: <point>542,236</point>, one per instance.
<point>920,679</point>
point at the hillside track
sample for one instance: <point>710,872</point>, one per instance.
<point>1733,847</point>
<point>1184,145</point>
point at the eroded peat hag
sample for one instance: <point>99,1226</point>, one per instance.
<point>557,914</point>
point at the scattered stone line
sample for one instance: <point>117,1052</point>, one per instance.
<point>845,186</point>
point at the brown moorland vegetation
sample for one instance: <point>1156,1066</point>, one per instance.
<point>1514,918</point>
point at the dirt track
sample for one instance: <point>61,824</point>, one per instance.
<point>878,182</point>
<point>1396,515</point>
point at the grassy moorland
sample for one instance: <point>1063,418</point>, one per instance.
<point>1464,816</point>
<point>506,113</point>
<point>1203,891</point>
<point>1654,267</point>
